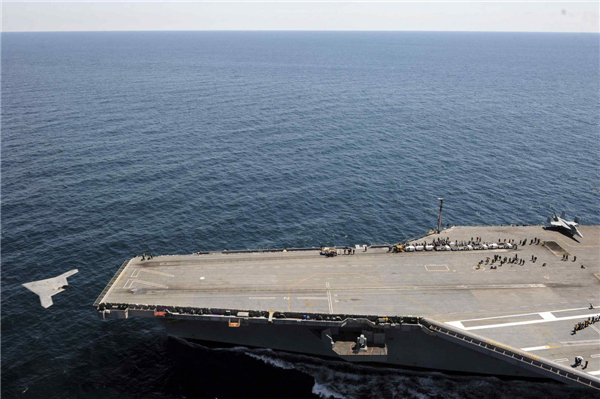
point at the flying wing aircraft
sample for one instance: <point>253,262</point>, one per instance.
<point>561,222</point>
<point>51,286</point>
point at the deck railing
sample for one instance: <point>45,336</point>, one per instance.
<point>513,353</point>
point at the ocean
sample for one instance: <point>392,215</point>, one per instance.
<point>118,143</point>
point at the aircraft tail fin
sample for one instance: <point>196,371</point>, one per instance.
<point>563,215</point>
<point>576,220</point>
<point>549,221</point>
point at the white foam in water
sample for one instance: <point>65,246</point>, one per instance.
<point>272,361</point>
<point>335,379</point>
<point>324,392</point>
<point>351,381</point>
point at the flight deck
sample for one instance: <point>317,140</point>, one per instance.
<point>532,306</point>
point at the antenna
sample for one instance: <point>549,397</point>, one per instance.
<point>440,217</point>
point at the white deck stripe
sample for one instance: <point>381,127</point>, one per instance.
<point>564,359</point>
<point>597,372</point>
<point>595,356</point>
<point>456,324</point>
<point>548,316</point>
<point>261,297</point>
<point>524,314</point>
<point>329,299</point>
<point>535,348</point>
<point>522,323</point>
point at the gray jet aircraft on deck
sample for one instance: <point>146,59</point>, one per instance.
<point>569,226</point>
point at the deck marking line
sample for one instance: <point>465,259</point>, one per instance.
<point>535,348</point>
<point>522,323</point>
<point>548,316</point>
<point>150,284</point>
<point>457,324</point>
<point>116,281</point>
<point>597,372</point>
<point>293,285</point>
<point>583,342</point>
<point>135,273</point>
<point>524,314</point>
<point>155,272</point>
<point>329,298</point>
<point>595,356</point>
<point>437,268</point>
<point>405,297</point>
<point>564,359</point>
<point>578,246</point>
<point>262,297</point>
<point>313,298</point>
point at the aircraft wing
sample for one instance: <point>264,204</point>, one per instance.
<point>49,287</point>
<point>575,231</point>
<point>560,223</point>
<point>567,225</point>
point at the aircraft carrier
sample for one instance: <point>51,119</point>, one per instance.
<point>444,306</point>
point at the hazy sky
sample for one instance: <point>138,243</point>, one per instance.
<point>563,16</point>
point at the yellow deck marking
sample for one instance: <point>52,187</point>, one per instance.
<point>578,246</point>
<point>391,289</point>
<point>292,286</point>
<point>357,274</point>
<point>570,254</point>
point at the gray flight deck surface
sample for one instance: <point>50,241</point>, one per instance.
<point>529,307</point>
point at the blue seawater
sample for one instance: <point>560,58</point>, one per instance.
<point>119,143</point>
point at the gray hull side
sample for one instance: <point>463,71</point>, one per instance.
<point>282,337</point>
<point>411,346</point>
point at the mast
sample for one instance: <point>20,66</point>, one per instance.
<point>439,229</point>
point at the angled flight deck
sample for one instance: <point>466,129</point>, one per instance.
<point>531,307</point>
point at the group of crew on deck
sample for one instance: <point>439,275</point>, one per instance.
<point>535,241</point>
<point>497,258</point>
<point>586,323</point>
<point>146,257</point>
<point>334,251</point>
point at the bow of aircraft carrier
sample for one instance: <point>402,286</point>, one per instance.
<point>449,309</point>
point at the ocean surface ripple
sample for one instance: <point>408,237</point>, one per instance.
<point>116,143</point>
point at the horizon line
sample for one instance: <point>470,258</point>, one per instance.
<point>291,30</point>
